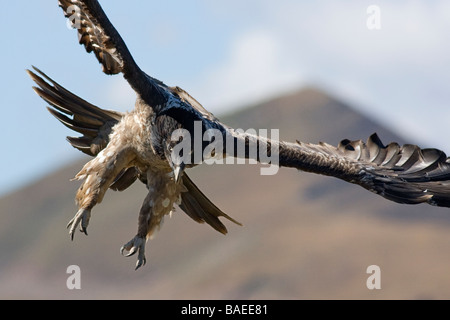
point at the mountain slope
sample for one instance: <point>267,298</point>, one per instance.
<point>304,236</point>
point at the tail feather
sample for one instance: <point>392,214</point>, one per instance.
<point>125,179</point>
<point>200,208</point>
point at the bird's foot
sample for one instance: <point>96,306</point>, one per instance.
<point>137,244</point>
<point>82,219</point>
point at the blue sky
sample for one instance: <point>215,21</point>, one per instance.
<point>228,54</point>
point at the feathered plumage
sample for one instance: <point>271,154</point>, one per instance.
<point>138,145</point>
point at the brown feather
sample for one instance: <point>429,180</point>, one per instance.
<point>200,208</point>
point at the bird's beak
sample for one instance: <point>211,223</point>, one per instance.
<point>178,171</point>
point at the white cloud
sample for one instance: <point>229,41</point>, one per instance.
<point>254,69</point>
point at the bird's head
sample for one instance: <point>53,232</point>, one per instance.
<point>174,153</point>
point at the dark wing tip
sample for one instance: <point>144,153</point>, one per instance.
<point>97,34</point>
<point>407,174</point>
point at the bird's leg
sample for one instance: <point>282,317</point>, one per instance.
<point>137,244</point>
<point>163,192</point>
<point>98,174</point>
<point>82,216</point>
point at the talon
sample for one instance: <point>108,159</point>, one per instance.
<point>140,263</point>
<point>81,218</point>
<point>137,244</point>
<point>132,252</point>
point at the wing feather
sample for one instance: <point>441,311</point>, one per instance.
<point>94,123</point>
<point>98,35</point>
<point>404,174</point>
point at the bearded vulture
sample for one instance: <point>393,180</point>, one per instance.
<point>141,144</point>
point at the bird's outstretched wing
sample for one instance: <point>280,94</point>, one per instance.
<point>98,35</point>
<point>96,124</point>
<point>93,123</point>
<point>404,174</point>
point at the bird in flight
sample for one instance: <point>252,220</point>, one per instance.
<point>141,144</point>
